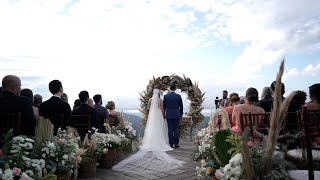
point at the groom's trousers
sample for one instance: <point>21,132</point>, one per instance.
<point>173,131</point>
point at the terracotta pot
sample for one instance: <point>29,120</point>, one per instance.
<point>88,168</point>
<point>62,176</point>
<point>107,160</point>
<point>118,153</point>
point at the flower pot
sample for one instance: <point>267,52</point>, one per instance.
<point>62,176</point>
<point>107,160</point>
<point>118,153</point>
<point>88,168</point>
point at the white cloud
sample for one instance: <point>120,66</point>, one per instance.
<point>270,29</point>
<point>310,70</point>
<point>114,47</point>
<point>293,72</point>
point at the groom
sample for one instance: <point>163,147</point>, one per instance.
<point>173,108</point>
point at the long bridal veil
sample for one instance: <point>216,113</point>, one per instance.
<point>152,156</point>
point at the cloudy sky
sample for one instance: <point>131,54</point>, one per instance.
<point>113,47</point>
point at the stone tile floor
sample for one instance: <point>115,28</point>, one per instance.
<point>186,152</point>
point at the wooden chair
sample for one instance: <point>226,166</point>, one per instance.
<point>292,128</point>
<point>113,120</point>
<point>311,120</point>
<point>10,120</point>
<point>309,124</point>
<point>259,122</point>
<point>81,123</point>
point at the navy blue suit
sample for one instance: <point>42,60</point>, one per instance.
<point>173,108</point>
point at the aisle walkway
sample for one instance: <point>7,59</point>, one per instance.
<point>187,172</point>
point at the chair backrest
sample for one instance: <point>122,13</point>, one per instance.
<point>292,120</point>
<point>292,129</point>
<point>256,122</point>
<point>10,120</point>
<point>81,123</point>
<point>113,120</point>
<point>311,120</point>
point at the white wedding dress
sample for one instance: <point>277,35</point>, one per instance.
<point>152,156</point>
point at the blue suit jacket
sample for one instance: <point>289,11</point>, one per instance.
<point>172,105</point>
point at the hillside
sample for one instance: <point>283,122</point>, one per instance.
<point>136,123</point>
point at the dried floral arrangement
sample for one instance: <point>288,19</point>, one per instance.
<point>185,84</point>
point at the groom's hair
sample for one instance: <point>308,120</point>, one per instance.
<point>173,86</point>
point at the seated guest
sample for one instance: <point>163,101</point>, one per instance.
<point>295,105</point>
<point>266,93</point>
<point>267,104</point>
<point>85,109</point>
<point>314,93</point>
<point>29,94</point>
<point>248,106</point>
<point>102,112</point>
<point>76,104</point>
<point>37,100</point>
<point>90,102</point>
<point>11,102</point>
<point>64,97</point>
<point>54,107</point>
<point>235,100</point>
<point>314,104</point>
<point>242,98</point>
<point>114,118</point>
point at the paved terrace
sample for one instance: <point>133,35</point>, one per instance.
<point>187,172</point>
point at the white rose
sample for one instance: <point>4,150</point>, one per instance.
<point>7,174</point>
<point>65,157</point>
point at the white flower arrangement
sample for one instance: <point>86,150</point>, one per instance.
<point>131,132</point>
<point>11,174</point>
<point>61,153</point>
<point>113,140</point>
<point>233,170</point>
<point>17,161</point>
<point>203,139</point>
<point>102,144</point>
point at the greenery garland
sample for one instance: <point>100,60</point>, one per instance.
<point>193,92</point>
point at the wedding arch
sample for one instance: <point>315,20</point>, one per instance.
<point>192,90</point>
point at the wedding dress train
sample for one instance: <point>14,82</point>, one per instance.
<point>151,156</point>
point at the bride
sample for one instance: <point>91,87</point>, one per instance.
<point>152,156</point>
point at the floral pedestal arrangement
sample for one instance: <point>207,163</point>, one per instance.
<point>87,168</point>
<point>107,160</point>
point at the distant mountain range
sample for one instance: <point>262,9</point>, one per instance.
<point>139,127</point>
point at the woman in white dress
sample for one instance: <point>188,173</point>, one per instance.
<point>152,156</point>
